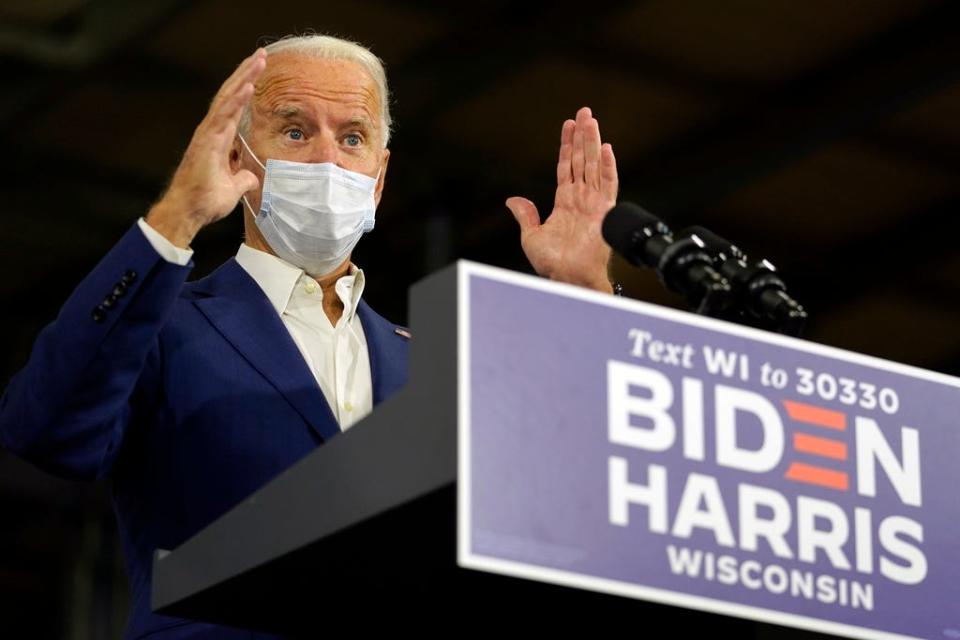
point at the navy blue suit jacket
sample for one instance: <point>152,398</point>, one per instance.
<point>186,396</point>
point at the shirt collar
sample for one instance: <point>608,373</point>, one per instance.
<point>278,278</point>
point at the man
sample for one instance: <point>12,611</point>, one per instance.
<point>190,396</point>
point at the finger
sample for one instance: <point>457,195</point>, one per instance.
<point>218,130</point>
<point>583,116</point>
<point>525,213</point>
<point>609,181</point>
<point>564,171</point>
<point>245,72</point>
<point>250,78</point>
<point>225,105</point>
<point>228,114</point>
<point>245,181</point>
<point>236,79</point>
<point>591,153</point>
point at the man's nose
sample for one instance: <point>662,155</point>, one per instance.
<point>324,149</point>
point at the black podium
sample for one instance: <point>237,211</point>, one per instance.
<point>365,528</point>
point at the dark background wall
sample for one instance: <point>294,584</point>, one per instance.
<point>822,134</point>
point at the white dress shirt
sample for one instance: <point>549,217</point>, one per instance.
<point>336,355</point>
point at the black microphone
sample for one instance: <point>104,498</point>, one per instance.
<point>757,286</point>
<point>682,265</point>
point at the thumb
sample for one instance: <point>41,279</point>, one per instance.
<point>525,213</point>
<point>245,181</point>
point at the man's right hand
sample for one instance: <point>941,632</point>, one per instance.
<point>204,189</point>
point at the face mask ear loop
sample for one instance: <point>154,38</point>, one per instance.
<point>250,151</point>
<point>257,160</point>
<point>244,199</point>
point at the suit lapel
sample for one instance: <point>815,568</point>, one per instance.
<point>240,311</point>
<point>388,353</point>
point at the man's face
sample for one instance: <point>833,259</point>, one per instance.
<point>309,109</point>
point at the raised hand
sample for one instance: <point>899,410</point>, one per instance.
<point>568,246</point>
<point>204,188</point>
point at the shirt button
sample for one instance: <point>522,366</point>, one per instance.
<point>310,287</point>
<point>348,406</point>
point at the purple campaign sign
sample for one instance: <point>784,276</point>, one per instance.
<point>617,446</point>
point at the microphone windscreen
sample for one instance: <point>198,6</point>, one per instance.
<point>622,224</point>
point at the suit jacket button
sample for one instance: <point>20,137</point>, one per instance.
<point>99,314</point>
<point>120,289</point>
<point>109,302</point>
<point>129,276</point>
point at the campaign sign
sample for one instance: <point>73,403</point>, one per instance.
<point>621,447</point>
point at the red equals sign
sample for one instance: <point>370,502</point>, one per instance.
<point>815,445</point>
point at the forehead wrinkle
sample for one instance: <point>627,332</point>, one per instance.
<point>278,97</point>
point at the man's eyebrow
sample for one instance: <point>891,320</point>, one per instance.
<point>286,111</point>
<point>359,123</point>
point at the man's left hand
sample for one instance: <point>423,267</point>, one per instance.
<point>568,246</point>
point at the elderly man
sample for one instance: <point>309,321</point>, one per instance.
<point>189,396</point>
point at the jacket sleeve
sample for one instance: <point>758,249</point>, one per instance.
<point>67,411</point>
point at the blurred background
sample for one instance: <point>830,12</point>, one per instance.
<point>823,135</point>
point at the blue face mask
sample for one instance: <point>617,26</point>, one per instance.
<point>313,214</point>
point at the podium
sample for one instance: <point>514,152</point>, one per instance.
<point>373,524</point>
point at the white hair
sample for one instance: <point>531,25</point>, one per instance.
<point>333,48</point>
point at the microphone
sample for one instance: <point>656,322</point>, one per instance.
<point>757,287</point>
<point>682,265</point>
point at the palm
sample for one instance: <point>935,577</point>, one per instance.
<point>213,186</point>
<point>568,246</point>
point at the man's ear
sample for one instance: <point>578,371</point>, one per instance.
<point>235,151</point>
<point>383,175</point>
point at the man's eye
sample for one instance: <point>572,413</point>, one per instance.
<point>353,140</point>
<point>295,134</point>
